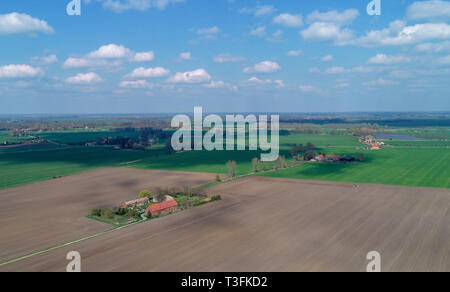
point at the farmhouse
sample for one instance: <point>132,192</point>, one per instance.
<point>161,208</point>
<point>135,203</point>
<point>320,157</point>
<point>333,157</point>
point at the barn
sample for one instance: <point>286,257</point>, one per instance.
<point>161,208</point>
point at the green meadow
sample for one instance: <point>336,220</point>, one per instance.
<point>413,166</point>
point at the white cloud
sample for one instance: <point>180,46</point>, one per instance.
<point>208,33</point>
<point>295,53</point>
<point>228,58</point>
<point>143,57</point>
<point>257,81</point>
<point>434,47</point>
<point>263,67</point>
<point>259,31</point>
<point>388,60</point>
<point>197,76</point>
<point>398,34</point>
<point>47,60</point>
<point>342,85</point>
<point>310,89</point>
<point>148,73</point>
<point>16,23</point>
<point>135,84</point>
<point>335,70</point>
<point>264,10</point>
<point>259,10</point>
<point>110,55</point>
<point>289,20</point>
<point>445,60</point>
<point>433,9</point>
<point>215,84</point>
<point>335,17</point>
<point>186,56</point>
<point>141,5</point>
<point>379,82</point>
<point>19,71</point>
<point>328,58</point>
<point>323,31</point>
<point>88,78</point>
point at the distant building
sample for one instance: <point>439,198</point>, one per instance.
<point>333,157</point>
<point>135,203</point>
<point>161,208</point>
<point>320,157</point>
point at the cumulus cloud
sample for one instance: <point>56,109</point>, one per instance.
<point>19,71</point>
<point>324,31</point>
<point>289,20</point>
<point>398,34</point>
<point>263,67</point>
<point>256,81</point>
<point>434,47</point>
<point>208,33</point>
<point>47,60</point>
<point>335,17</point>
<point>88,78</point>
<point>215,84</point>
<point>228,58</point>
<point>185,56</point>
<point>294,53</point>
<point>379,82</point>
<point>148,73</point>
<point>328,58</point>
<point>16,23</point>
<point>260,10</point>
<point>135,84</point>
<point>141,5</point>
<point>310,89</point>
<point>388,60</point>
<point>197,76</point>
<point>444,60</point>
<point>433,9</point>
<point>110,55</point>
<point>259,31</point>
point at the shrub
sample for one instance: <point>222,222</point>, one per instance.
<point>108,214</point>
<point>96,212</point>
<point>215,198</point>
<point>121,212</point>
<point>145,194</point>
<point>218,179</point>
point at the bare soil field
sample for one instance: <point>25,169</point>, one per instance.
<point>269,224</point>
<point>49,213</point>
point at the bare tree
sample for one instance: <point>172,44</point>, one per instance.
<point>255,163</point>
<point>231,168</point>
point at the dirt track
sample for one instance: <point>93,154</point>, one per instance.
<point>267,224</point>
<point>45,214</point>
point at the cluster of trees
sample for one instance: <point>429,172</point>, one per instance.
<point>110,214</point>
<point>301,149</point>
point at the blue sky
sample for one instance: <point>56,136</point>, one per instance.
<point>145,56</point>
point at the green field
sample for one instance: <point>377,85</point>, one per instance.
<point>82,137</point>
<point>425,167</point>
<point>414,166</point>
<point>4,137</point>
<point>25,165</point>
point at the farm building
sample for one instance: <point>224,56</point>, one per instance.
<point>135,203</point>
<point>161,208</point>
<point>333,157</point>
<point>320,157</point>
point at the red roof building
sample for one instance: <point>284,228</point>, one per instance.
<point>161,208</point>
<point>334,157</point>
